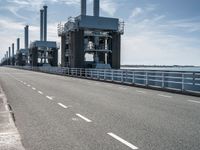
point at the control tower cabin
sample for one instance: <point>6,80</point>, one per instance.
<point>94,36</point>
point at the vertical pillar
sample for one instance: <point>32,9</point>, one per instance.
<point>41,25</point>
<point>9,55</point>
<point>7,58</point>
<point>63,51</point>
<point>18,44</point>
<point>83,8</point>
<point>45,23</point>
<point>26,37</point>
<point>13,54</point>
<point>96,8</point>
<point>116,50</point>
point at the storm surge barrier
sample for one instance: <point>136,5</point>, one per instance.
<point>175,81</point>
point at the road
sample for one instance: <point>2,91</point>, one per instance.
<point>64,113</point>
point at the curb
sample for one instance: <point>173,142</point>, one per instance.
<point>9,136</point>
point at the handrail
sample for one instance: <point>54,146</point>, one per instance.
<point>186,82</point>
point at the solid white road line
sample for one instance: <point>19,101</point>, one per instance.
<point>49,97</point>
<point>62,105</point>
<point>166,96</point>
<point>33,88</point>
<point>122,141</point>
<point>122,88</point>
<point>40,92</point>
<point>108,85</point>
<point>143,92</point>
<point>84,118</point>
<point>198,102</point>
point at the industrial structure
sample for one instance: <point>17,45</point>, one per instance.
<point>9,57</point>
<point>43,52</point>
<point>22,54</point>
<point>86,42</point>
<point>96,36</point>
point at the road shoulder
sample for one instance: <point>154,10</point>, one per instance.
<point>9,135</point>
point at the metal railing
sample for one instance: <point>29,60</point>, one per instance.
<point>184,82</point>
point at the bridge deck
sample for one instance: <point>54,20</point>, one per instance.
<point>56,112</point>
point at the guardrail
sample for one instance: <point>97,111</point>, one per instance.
<point>183,82</point>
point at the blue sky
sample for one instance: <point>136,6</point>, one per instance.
<point>161,32</point>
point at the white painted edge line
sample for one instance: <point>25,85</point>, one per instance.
<point>84,118</point>
<point>40,92</point>
<point>122,88</point>
<point>143,92</point>
<point>166,96</point>
<point>33,88</point>
<point>62,105</point>
<point>122,141</point>
<point>49,97</point>
<point>108,85</point>
<point>198,102</point>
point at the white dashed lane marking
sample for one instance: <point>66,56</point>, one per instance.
<point>50,98</point>
<point>40,92</point>
<point>192,101</point>
<point>33,88</point>
<point>84,118</point>
<point>123,141</point>
<point>62,105</point>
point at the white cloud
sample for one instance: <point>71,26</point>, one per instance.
<point>137,11</point>
<point>7,25</point>
<point>109,6</point>
<point>155,40</point>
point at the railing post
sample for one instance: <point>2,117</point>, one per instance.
<point>68,71</point>
<point>193,78</point>
<point>98,76</point>
<point>146,74</point>
<point>104,74</point>
<point>163,80</point>
<point>126,80</point>
<point>112,74</point>
<point>91,73</point>
<point>133,80</point>
<point>122,76</point>
<point>81,72</point>
<point>86,73</point>
<point>183,82</point>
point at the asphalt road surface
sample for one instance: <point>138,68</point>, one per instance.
<point>63,113</point>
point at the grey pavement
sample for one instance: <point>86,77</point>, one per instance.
<point>60,113</point>
<point>9,136</point>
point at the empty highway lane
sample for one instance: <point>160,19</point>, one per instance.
<point>63,113</point>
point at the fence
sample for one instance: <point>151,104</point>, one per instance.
<point>184,82</point>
